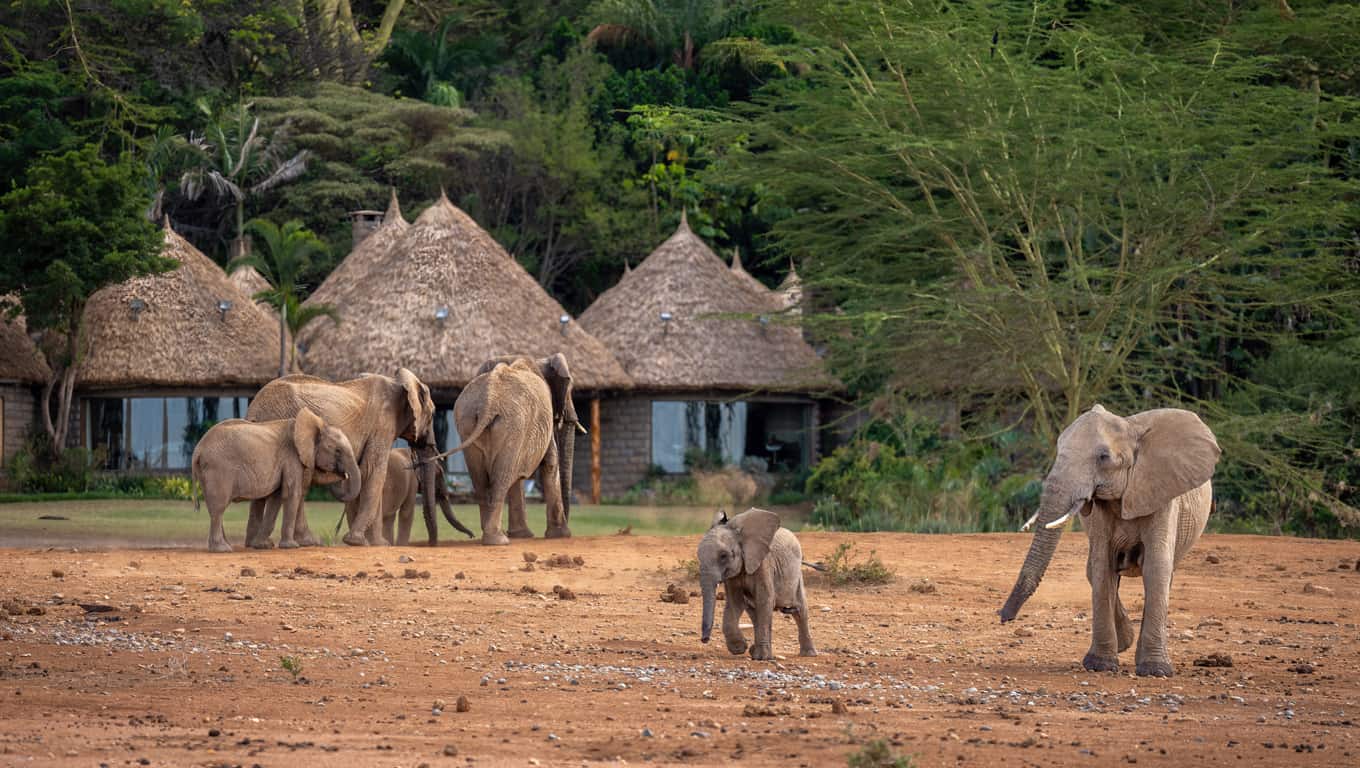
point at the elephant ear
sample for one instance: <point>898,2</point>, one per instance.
<point>755,530</point>
<point>419,401</point>
<point>490,365</point>
<point>306,427</point>
<point>558,376</point>
<point>719,518</point>
<point>1175,453</point>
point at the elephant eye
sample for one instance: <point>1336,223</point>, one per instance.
<point>1104,456</point>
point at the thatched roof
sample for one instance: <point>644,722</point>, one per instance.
<point>248,280</point>
<point>179,337</point>
<point>702,346</point>
<point>790,292</point>
<point>20,359</point>
<point>350,278</point>
<point>445,264</point>
<point>745,277</point>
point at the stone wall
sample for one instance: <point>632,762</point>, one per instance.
<point>19,418</point>
<point>625,444</point>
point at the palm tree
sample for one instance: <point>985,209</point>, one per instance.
<point>284,255</point>
<point>678,28</point>
<point>233,161</point>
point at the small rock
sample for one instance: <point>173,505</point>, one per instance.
<point>1303,668</point>
<point>438,704</point>
<point>1215,660</point>
<point>1187,634</point>
<point>564,593</point>
<point>528,590</point>
<point>424,574</point>
<point>410,573</point>
<point>247,572</point>
<point>838,707</point>
<point>450,750</point>
<point>924,587</point>
<point>1024,632</point>
<point>462,705</point>
<point>646,733</point>
<point>1316,589</point>
<point>460,575</point>
<point>57,573</point>
<point>1212,558</point>
<point>213,732</point>
<point>406,559</point>
<point>529,557</point>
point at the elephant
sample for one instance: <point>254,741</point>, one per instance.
<point>1142,487</point>
<point>759,563</point>
<point>516,418</point>
<point>373,411</point>
<point>238,459</point>
<point>407,474</point>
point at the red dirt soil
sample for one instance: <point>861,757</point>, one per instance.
<point>190,671</point>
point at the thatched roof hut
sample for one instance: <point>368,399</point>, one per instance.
<point>248,280</point>
<point>673,324</point>
<point>20,359</point>
<point>790,292</point>
<point>440,297</point>
<point>188,327</point>
<point>745,277</point>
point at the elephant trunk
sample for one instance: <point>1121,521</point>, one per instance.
<point>566,445</point>
<point>710,590</point>
<point>430,474</point>
<point>1055,504</point>
<point>353,479</point>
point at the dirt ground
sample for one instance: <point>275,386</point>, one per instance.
<point>188,668</point>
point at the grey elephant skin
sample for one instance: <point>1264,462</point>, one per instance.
<point>373,411</point>
<point>760,566</point>
<point>1142,488</point>
<point>515,419</point>
<point>407,474</point>
<point>238,460</point>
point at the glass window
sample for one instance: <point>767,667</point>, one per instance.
<point>678,427</point>
<point>155,433</point>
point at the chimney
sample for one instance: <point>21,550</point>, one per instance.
<point>362,224</point>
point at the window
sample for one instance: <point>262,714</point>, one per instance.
<point>154,433</point>
<point>446,437</point>
<point>679,427</point>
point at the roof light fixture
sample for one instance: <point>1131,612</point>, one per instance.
<point>223,305</point>
<point>136,305</point>
<point>441,313</point>
<point>562,323</point>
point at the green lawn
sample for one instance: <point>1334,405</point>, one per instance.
<point>153,523</point>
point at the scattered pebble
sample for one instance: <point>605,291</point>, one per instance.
<point>450,750</point>
<point>57,573</point>
<point>924,587</point>
<point>247,572</point>
<point>406,559</point>
<point>1316,589</point>
<point>1212,558</point>
<point>462,705</point>
<point>1215,660</point>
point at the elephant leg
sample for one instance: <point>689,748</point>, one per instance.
<point>552,495</point>
<point>1152,657</point>
<point>1103,655</point>
<point>216,501</point>
<point>292,501</point>
<point>266,527</point>
<point>1122,626</point>
<point>254,520</point>
<point>492,535</point>
<point>389,522</point>
<point>805,646</point>
<point>366,528</point>
<point>302,533</point>
<point>731,623</point>
<point>404,519</point>
<point>519,522</point>
<point>762,616</point>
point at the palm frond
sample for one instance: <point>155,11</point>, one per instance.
<point>286,171</point>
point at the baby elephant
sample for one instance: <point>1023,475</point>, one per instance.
<point>759,563</point>
<point>240,460</point>
<point>399,496</point>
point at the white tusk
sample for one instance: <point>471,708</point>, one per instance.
<point>583,429</point>
<point>1060,521</point>
<point>1030,522</point>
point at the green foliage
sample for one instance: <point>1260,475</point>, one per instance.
<point>118,485</point>
<point>661,489</point>
<point>291,665</point>
<point>843,569</point>
<point>878,754</point>
<point>30,471</point>
<point>905,475</point>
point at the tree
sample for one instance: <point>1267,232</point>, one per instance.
<point>283,257</point>
<point>674,29</point>
<point>76,226</point>
<point>234,160</point>
<point>1002,201</point>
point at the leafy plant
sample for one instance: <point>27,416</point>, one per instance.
<point>291,665</point>
<point>842,568</point>
<point>878,753</point>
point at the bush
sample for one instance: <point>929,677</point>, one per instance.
<point>909,477</point>
<point>74,472</point>
<point>878,754</point>
<point>841,568</point>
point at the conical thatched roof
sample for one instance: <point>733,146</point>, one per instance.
<point>350,278</point>
<point>698,348</point>
<point>444,264</point>
<point>745,277</point>
<point>790,292</point>
<point>179,337</point>
<point>20,359</point>
<point>248,280</point>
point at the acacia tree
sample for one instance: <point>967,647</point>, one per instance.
<point>1002,200</point>
<point>76,226</point>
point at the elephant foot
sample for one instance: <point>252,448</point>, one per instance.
<point>266,544</point>
<point>809,651</point>
<point>355,539</point>
<point>520,533</point>
<point>762,652</point>
<point>219,546</point>
<point>558,532</point>
<point>736,647</point>
<point>1094,663</point>
<point>309,540</point>
<point>1155,669</point>
<point>495,539</point>
<point>288,544</point>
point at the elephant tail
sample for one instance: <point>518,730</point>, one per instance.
<point>818,566</point>
<point>485,420</point>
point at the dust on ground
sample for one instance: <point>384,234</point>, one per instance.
<point>461,656</point>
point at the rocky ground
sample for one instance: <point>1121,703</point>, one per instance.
<point>465,656</point>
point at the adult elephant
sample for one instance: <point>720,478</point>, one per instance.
<point>515,419</point>
<point>373,411</point>
<point>1142,487</point>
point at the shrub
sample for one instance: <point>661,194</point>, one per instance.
<point>878,754</point>
<point>842,569</point>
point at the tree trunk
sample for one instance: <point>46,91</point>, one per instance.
<point>283,335</point>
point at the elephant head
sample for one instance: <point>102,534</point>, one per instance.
<point>323,448</point>
<point>729,548</point>
<point>419,430</point>
<point>555,372</point>
<point>1142,462</point>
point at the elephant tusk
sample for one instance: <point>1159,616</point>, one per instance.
<point>581,428</point>
<point>1030,522</point>
<point>1060,521</point>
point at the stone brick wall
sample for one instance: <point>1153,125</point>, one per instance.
<point>20,417</point>
<point>625,444</point>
